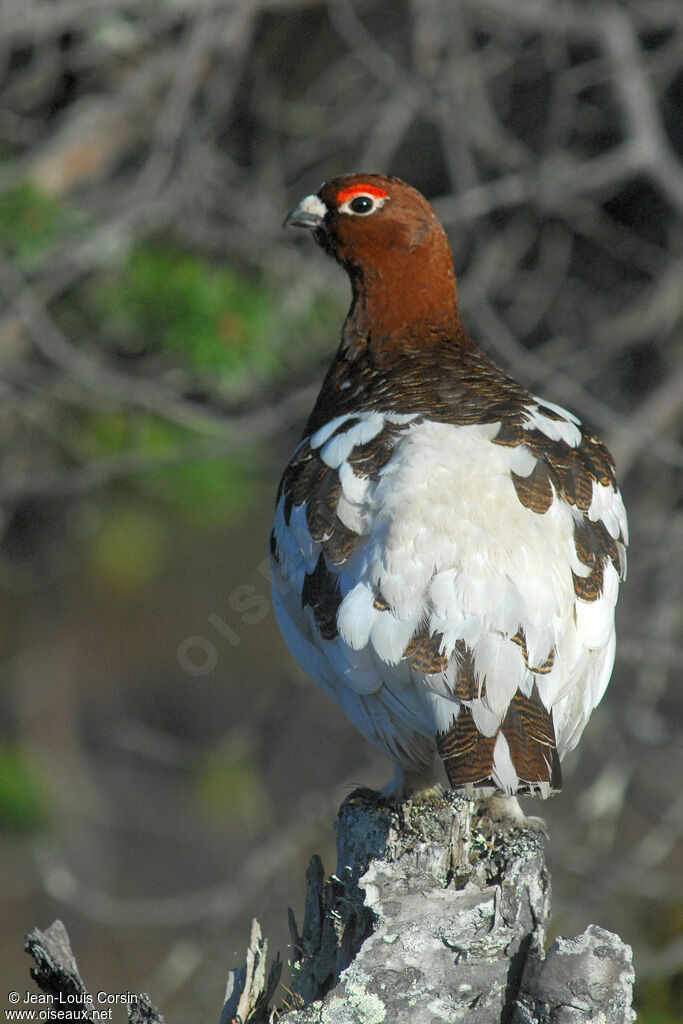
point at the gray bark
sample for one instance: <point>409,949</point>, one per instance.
<point>432,916</point>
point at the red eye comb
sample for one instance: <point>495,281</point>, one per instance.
<point>364,190</point>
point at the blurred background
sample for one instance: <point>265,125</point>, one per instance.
<point>165,769</point>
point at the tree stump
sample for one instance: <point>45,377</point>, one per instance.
<point>433,916</point>
<point>429,917</point>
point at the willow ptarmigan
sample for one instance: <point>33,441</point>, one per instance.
<point>447,547</point>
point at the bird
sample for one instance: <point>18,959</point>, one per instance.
<point>447,547</point>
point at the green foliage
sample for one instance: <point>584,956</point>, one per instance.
<point>659,1000</point>
<point>211,492</point>
<point>176,301</point>
<point>102,433</point>
<point>129,549</point>
<point>230,786</point>
<point>312,331</point>
<point>107,432</point>
<point>29,221</point>
<point>22,807</point>
<point>657,1017</point>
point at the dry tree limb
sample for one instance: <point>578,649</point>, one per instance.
<point>250,990</point>
<point>56,973</point>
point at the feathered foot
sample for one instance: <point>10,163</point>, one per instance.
<point>423,788</point>
<point>504,812</point>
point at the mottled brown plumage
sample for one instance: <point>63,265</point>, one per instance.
<point>423,652</point>
<point>466,754</point>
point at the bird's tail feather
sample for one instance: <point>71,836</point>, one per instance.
<point>521,757</point>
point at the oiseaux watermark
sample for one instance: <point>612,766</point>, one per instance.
<point>198,654</point>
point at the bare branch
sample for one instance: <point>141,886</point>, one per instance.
<point>644,125</point>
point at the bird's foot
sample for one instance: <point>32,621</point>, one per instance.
<point>418,788</point>
<point>504,812</point>
<point>421,789</point>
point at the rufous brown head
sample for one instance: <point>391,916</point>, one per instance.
<point>388,238</point>
<point>359,218</point>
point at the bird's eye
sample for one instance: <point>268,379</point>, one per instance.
<point>360,200</point>
<point>361,204</point>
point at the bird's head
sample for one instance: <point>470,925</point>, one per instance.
<point>388,238</point>
<point>362,219</point>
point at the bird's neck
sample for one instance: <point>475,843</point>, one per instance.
<point>404,294</point>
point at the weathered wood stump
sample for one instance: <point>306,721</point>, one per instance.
<point>433,916</point>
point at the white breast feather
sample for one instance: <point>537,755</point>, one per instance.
<point>446,541</point>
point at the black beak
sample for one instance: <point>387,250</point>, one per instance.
<point>310,213</point>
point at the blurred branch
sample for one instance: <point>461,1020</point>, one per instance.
<point>33,19</point>
<point>233,26</point>
<point>660,411</point>
<point>575,19</point>
<point>94,374</point>
<point>638,104</point>
<point>625,437</point>
<point>224,902</point>
<point>243,430</point>
<point>552,182</point>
